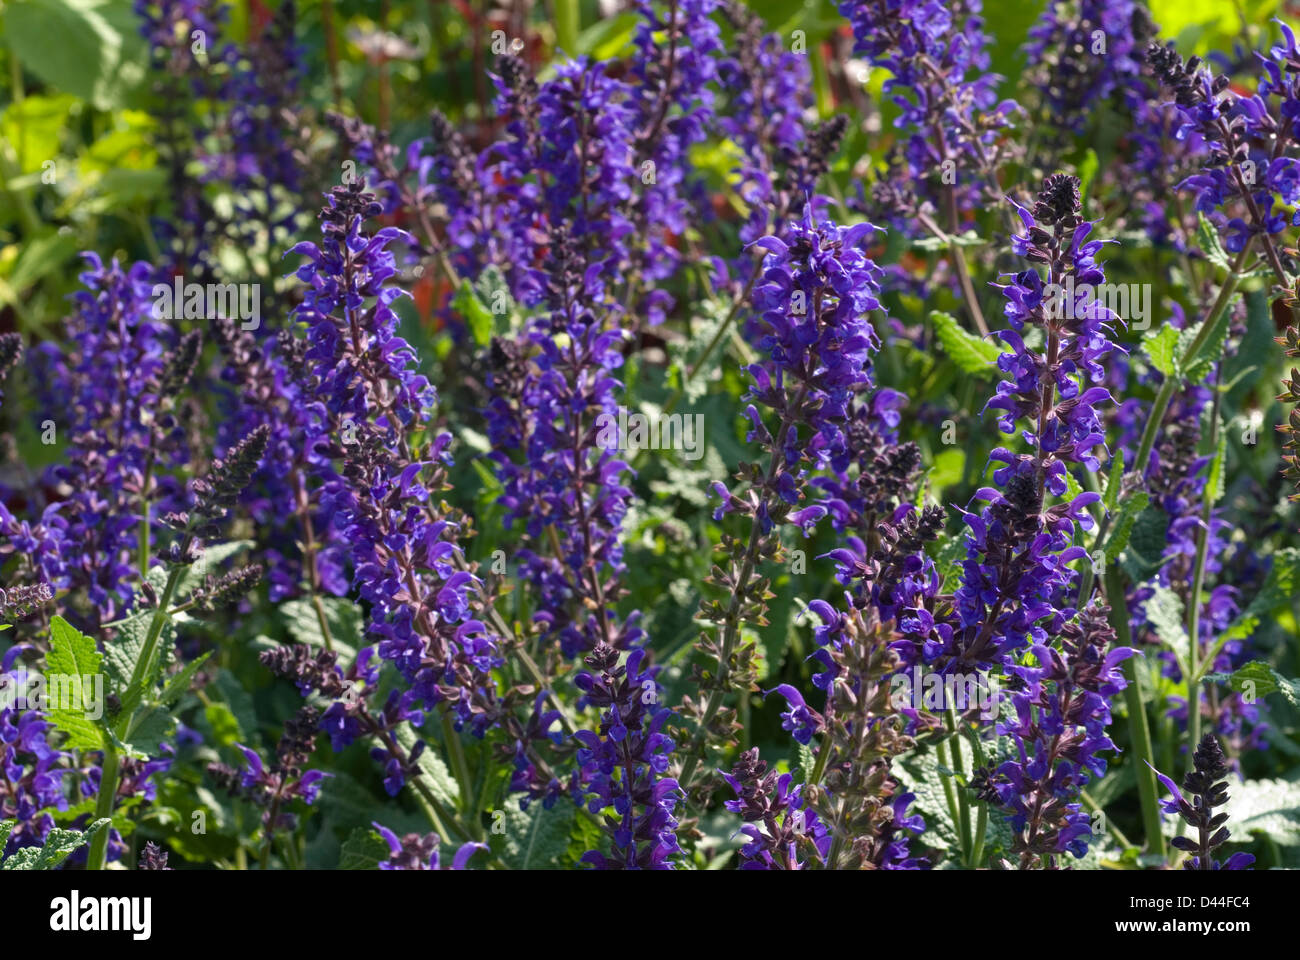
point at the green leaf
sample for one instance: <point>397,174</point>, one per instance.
<point>1207,236</point>
<point>1165,611</point>
<point>363,850</point>
<point>6,828</point>
<point>1087,171</point>
<point>59,845</point>
<point>1114,482</point>
<point>240,703</point>
<point>342,617</point>
<point>1258,679</point>
<point>179,683</point>
<point>72,659</point>
<point>209,564</point>
<point>970,353</point>
<point>1125,520</point>
<point>1160,348</point>
<point>148,730</point>
<point>1270,807</point>
<point>534,839</point>
<point>474,312</point>
<point>1196,367</point>
<point>436,775</point>
<point>126,648</point>
<point>1146,545</point>
<point>1278,589</point>
<point>89,48</point>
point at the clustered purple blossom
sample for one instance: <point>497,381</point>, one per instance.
<point>1204,782</point>
<point>624,763</point>
<point>1083,52</point>
<point>372,405</point>
<point>1062,709</point>
<point>415,852</point>
<point>935,52</point>
<point>1016,571</point>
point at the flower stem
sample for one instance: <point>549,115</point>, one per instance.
<point>1139,733</point>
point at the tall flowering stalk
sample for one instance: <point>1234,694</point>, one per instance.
<point>1062,709</point>
<point>373,408</point>
<point>1203,782</point>
<point>1016,572</point>
<point>1082,52</point>
<point>948,165</point>
<point>817,290</point>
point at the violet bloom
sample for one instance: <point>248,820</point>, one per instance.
<point>1246,170</point>
<point>935,52</point>
<point>1062,709</point>
<point>625,762</point>
<point>32,770</point>
<point>782,829</point>
<point>1204,783</point>
<point>284,780</point>
<point>416,852</point>
<point>1083,52</point>
<point>1018,549</point>
<point>117,388</point>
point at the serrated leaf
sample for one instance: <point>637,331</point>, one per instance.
<point>240,703</point>
<point>179,683</point>
<point>209,563</point>
<point>1259,679</point>
<point>1164,609</point>
<point>6,828</point>
<point>148,730</point>
<point>1125,520</point>
<point>536,838</point>
<point>126,648</point>
<point>1146,545</point>
<point>474,312</point>
<point>73,657</point>
<point>436,775</point>
<point>1196,367</point>
<point>363,850</point>
<point>342,618</point>
<point>1280,585</point>
<point>1160,348</point>
<point>59,845</point>
<point>1113,482</point>
<point>1270,807</point>
<point>1207,236</point>
<point>970,353</point>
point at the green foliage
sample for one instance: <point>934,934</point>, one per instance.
<point>74,659</point>
<point>533,839</point>
<point>59,845</point>
<point>968,352</point>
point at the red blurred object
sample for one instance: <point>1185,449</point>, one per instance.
<point>259,15</point>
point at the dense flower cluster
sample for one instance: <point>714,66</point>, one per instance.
<point>730,568</point>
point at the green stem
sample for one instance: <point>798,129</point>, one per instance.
<point>1171,383</point>
<point>457,752</point>
<point>109,771</point>
<point>1198,581</point>
<point>1139,734</point>
<point>104,803</point>
<point>567,20</point>
<point>959,770</point>
<point>951,796</point>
